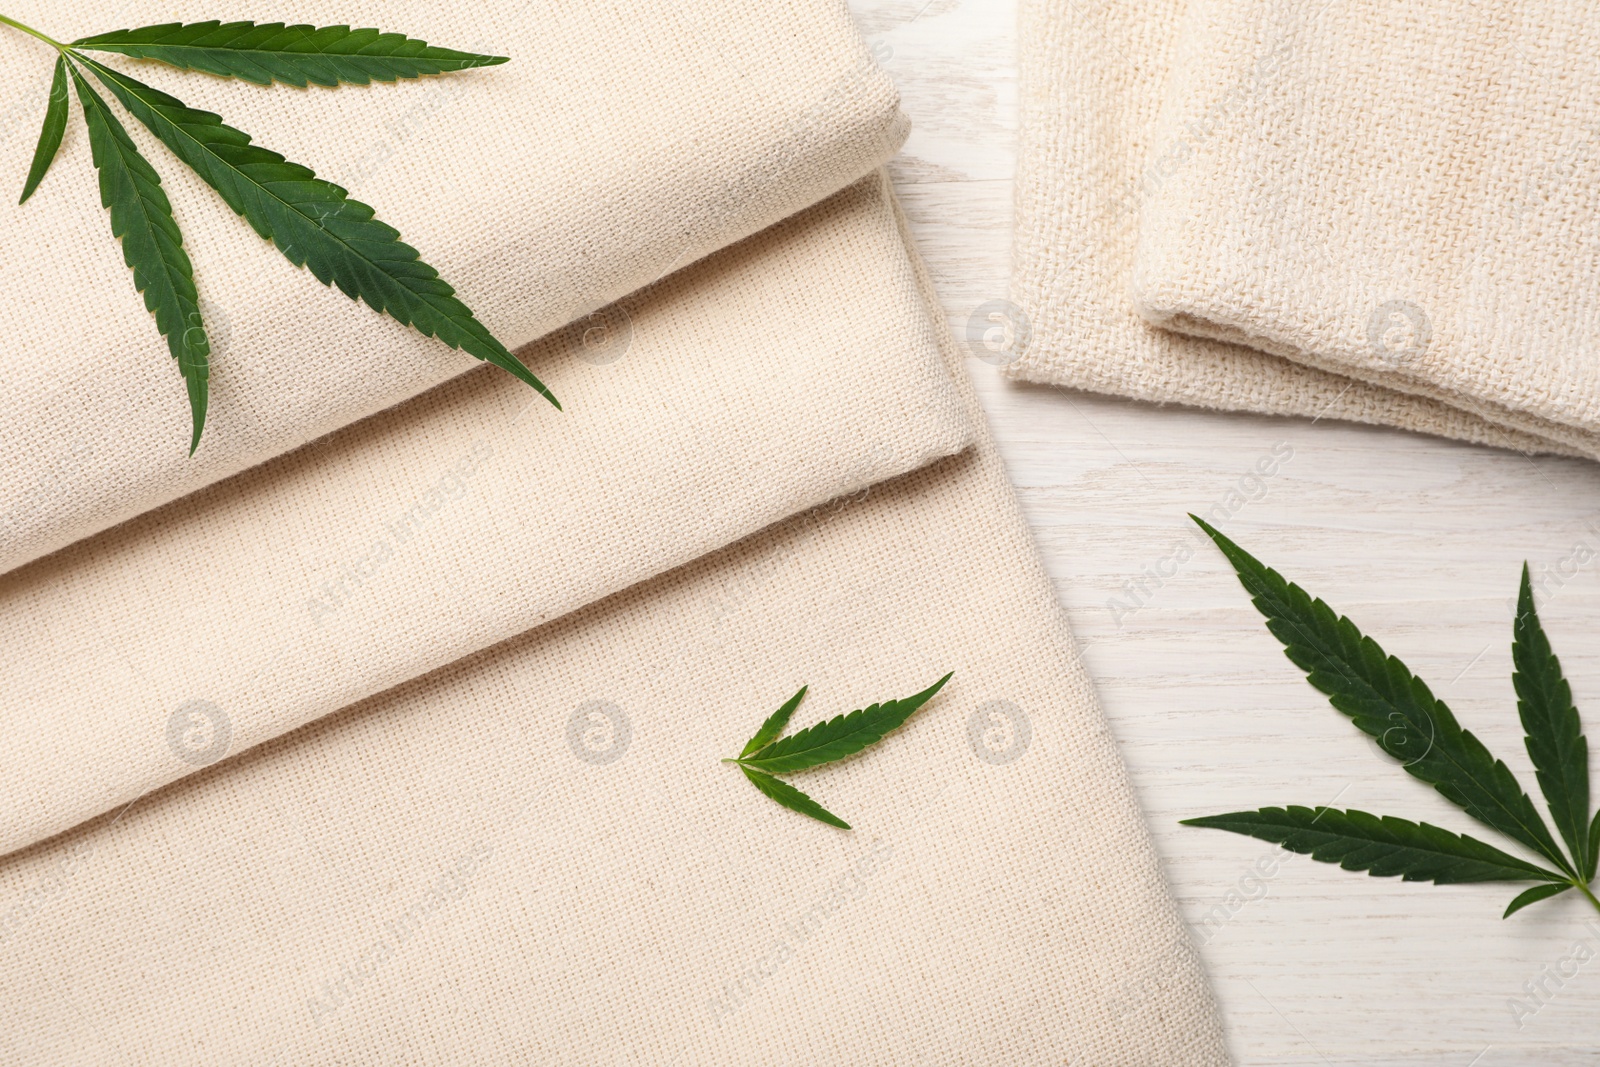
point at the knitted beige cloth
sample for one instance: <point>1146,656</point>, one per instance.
<point>1091,158</point>
<point>618,144</point>
<point>533,854</point>
<point>1384,194</point>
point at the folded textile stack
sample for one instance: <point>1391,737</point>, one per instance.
<point>588,179</point>
<point>1336,211</point>
<point>404,744</point>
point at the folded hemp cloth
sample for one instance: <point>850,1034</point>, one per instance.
<point>533,852</point>
<point>1144,139</point>
<point>618,144</point>
<point>404,745</point>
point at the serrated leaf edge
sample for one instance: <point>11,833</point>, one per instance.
<point>178,275</point>
<point>1535,833</point>
<point>783,793</point>
<point>1554,730</point>
<point>187,46</point>
<point>842,735</point>
<point>774,725</point>
<point>479,341</point>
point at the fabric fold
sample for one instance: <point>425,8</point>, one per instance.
<point>1095,149</point>
<point>614,148</point>
<point>788,370</point>
<point>534,853</point>
<point>1391,199</point>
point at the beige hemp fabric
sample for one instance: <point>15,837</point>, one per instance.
<point>1091,158</point>
<point>367,560</point>
<point>403,746</point>
<point>1404,199</point>
<point>620,142</point>
<point>534,855</point>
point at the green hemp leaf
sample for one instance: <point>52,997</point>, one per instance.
<point>313,222</point>
<point>766,754</point>
<point>1390,704</point>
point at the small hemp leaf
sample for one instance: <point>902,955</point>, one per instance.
<point>766,754</point>
<point>1390,704</point>
<point>312,222</point>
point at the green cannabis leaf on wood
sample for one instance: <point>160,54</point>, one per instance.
<point>312,222</point>
<point>765,754</point>
<point>1394,707</point>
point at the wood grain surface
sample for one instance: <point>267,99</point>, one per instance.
<point>1419,540</point>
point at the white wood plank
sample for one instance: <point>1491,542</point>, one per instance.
<point>1418,539</point>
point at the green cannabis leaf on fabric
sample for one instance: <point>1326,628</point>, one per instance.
<point>313,222</point>
<point>766,754</point>
<point>1393,706</point>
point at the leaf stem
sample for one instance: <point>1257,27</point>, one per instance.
<point>31,32</point>
<point>1584,889</point>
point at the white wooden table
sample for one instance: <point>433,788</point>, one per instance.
<point>1419,540</point>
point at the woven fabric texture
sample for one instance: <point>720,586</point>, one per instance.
<point>402,745</point>
<point>1389,197</point>
<point>466,516</point>
<point>1094,151</point>
<point>620,143</point>
<point>534,853</point>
